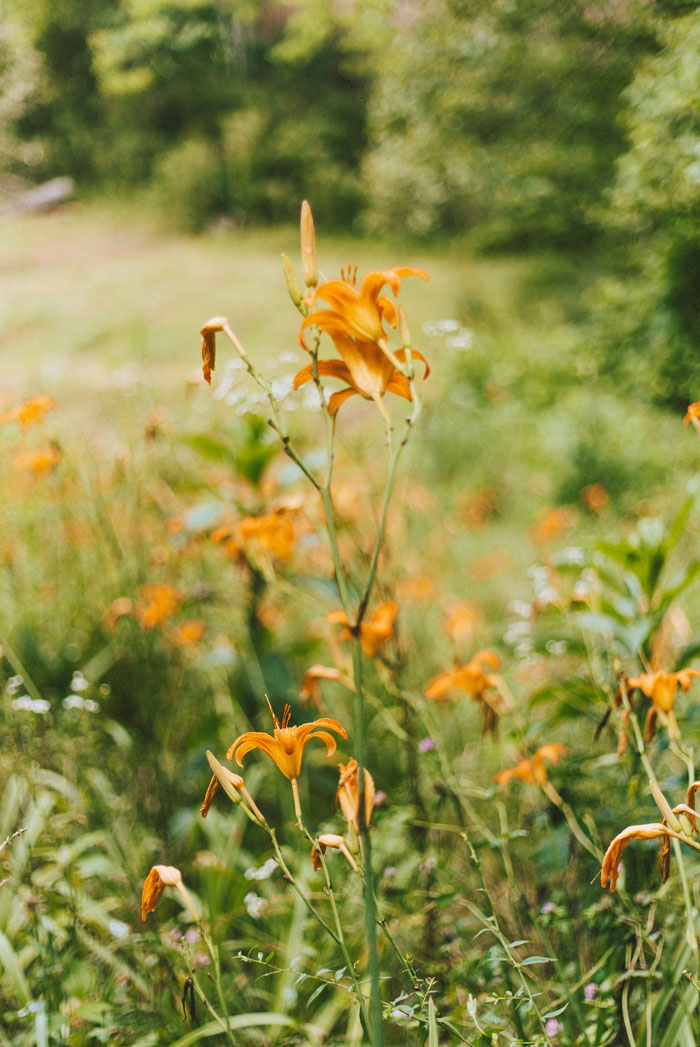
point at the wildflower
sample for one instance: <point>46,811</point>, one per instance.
<point>359,314</point>
<point>610,870</point>
<point>348,794</point>
<point>30,412</point>
<point>376,631</point>
<point>460,622</point>
<point>662,689</point>
<point>532,769</point>
<point>162,600</point>
<point>487,689</point>
<point>116,610</point>
<point>366,370</point>
<point>286,745</point>
<point>189,633</point>
<point>595,497</point>
<point>419,588</point>
<point>40,462</point>
<point>550,524</point>
<point>590,991</point>
<point>209,331</point>
<point>426,745</point>
<point>553,1027</point>
<point>477,507</point>
<point>272,534</point>
<point>254,905</point>
<point>160,877</point>
<point>336,842</point>
<point>693,415</point>
<point>311,686</point>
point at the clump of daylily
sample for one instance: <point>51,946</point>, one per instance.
<point>679,823</point>
<point>479,680</point>
<point>374,632</point>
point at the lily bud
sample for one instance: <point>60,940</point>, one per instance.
<point>309,263</point>
<point>295,292</point>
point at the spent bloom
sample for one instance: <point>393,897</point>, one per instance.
<point>160,877</point>
<point>348,794</point>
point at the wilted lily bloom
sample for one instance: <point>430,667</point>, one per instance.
<point>160,877</point>
<point>365,369</point>
<point>232,784</point>
<point>610,870</point>
<point>662,688</point>
<point>217,325</point>
<point>286,745</point>
<point>375,631</point>
<point>532,769</point>
<point>360,313</point>
<point>487,688</point>
<point>348,794</point>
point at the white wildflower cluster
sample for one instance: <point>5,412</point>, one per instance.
<point>264,872</point>
<point>544,591</point>
<point>254,905</point>
<point>31,705</point>
<point>454,335</point>
<point>241,393</point>
<point>13,685</point>
<point>75,701</point>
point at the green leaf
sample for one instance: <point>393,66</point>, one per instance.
<point>529,961</point>
<point>432,1024</point>
<point>10,961</point>
<point>238,1021</point>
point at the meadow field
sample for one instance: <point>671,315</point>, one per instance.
<point>498,623</point>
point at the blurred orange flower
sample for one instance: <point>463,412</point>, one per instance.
<point>30,412</point>
<point>160,877</point>
<point>532,769</point>
<point>286,746</point>
<point>662,688</point>
<point>595,497</point>
<point>460,622</point>
<point>375,631</point>
<point>693,415</point>
<point>477,507</point>
<point>116,610</point>
<point>487,688</point>
<point>189,633</point>
<point>311,683</point>
<point>348,793</point>
<point>550,524</point>
<point>272,534</point>
<point>419,588</point>
<point>162,601</point>
<point>39,462</point>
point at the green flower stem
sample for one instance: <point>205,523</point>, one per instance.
<point>217,982</point>
<point>360,996</point>
<point>289,876</point>
<point>19,669</point>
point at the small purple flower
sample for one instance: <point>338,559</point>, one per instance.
<point>548,908</point>
<point>425,745</point>
<point>553,1027</point>
<point>191,935</point>
<point>590,991</point>
<point>390,871</point>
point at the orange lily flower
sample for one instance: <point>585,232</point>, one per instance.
<point>160,877</point>
<point>189,633</point>
<point>693,415</point>
<point>532,769</point>
<point>377,630</point>
<point>29,413</point>
<point>286,745</point>
<point>662,689</point>
<point>359,313</point>
<point>460,622</point>
<point>348,793</point>
<point>488,689</point>
<point>40,462</point>
<point>365,369</point>
<point>162,600</point>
